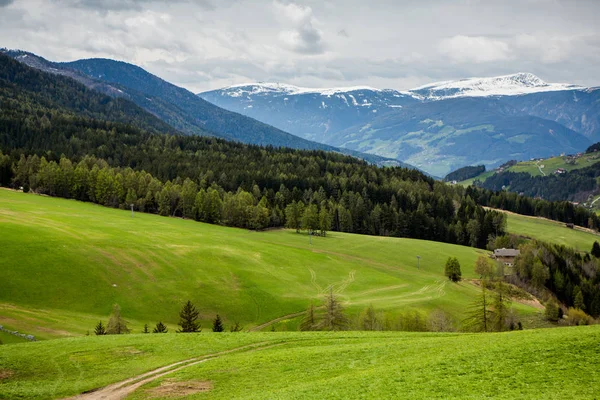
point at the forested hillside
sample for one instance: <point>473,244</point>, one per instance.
<point>62,150</point>
<point>465,173</point>
<point>574,185</point>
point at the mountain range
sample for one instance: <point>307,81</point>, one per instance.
<point>178,108</point>
<point>437,127</point>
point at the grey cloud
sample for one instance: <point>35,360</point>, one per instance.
<point>399,44</point>
<point>121,5</point>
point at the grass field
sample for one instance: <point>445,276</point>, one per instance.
<point>551,231</point>
<point>67,262</point>
<point>548,363</point>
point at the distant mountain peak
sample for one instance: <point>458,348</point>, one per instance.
<point>283,88</point>
<point>505,85</point>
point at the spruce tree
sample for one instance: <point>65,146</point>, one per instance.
<point>116,324</point>
<point>100,329</point>
<point>187,318</point>
<point>218,324</point>
<point>146,330</point>
<point>160,328</point>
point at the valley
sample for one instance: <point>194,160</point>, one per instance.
<point>387,210</point>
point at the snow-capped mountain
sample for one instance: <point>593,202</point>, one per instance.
<point>307,112</point>
<point>507,85</point>
<point>438,127</point>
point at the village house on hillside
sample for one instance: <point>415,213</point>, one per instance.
<point>506,256</point>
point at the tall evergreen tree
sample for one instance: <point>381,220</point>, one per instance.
<point>188,317</point>
<point>501,305</point>
<point>100,329</point>
<point>160,328</point>
<point>479,317</point>
<point>218,324</point>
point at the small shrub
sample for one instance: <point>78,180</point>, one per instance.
<point>576,316</point>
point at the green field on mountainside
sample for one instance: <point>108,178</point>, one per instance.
<point>547,166</point>
<point>65,263</point>
<point>547,363</point>
<point>551,231</point>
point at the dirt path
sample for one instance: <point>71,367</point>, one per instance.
<point>124,388</point>
<point>276,320</point>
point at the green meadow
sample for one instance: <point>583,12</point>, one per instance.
<point>65,263</point>
<point>551,231</point>
<point>555,363</point>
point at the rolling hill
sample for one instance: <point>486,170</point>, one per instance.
<point>70,261</point>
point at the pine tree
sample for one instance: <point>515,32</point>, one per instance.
<point>501,303</point>
<point>218,324</point>
<point>160,328</point>
<point>187,318</point>
<point>333,318</point>
<point>100,329</point>
<point>146,330</point>
<point>116,324</point>
<point>309,322</point>
<point>578,300</point>
<point>479,318</point>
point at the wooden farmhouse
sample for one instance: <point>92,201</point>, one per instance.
<point>506,256</point>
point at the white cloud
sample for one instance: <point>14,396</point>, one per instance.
<point>474,49</point>
<point>304,37</point>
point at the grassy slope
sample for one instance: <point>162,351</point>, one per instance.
<point>551,231</point>
<point>64,259</point>
<point>553,364</point>
<point>550,165</point>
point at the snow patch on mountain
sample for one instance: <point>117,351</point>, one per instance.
<point>506,85</point>
<point>266,88</point>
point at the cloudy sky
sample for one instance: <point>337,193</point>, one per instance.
<point>400,44</point>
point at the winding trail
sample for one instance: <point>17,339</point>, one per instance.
<point>120,390</point>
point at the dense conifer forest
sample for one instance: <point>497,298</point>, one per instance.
<point>574,185</point>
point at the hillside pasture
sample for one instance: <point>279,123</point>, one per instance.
<point>551,231</point>
<point>68,262</point>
